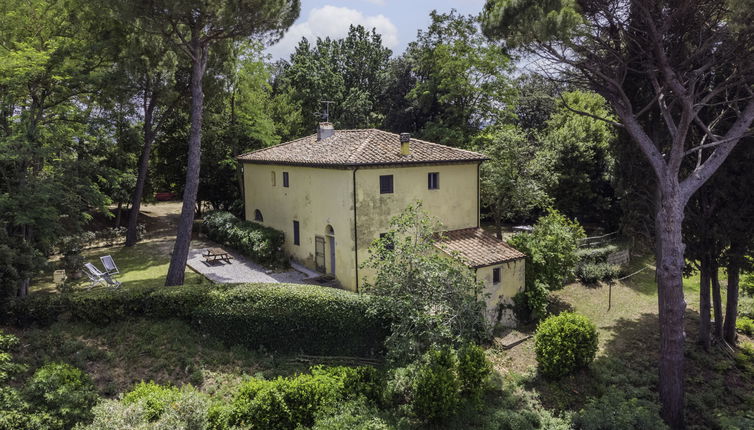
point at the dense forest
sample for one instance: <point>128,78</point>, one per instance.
<point>632,117</point>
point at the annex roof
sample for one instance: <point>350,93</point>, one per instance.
<point>477,247</point>
<point>358,148</point>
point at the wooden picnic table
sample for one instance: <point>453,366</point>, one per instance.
<point>214,254</point>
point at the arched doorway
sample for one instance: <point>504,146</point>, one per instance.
<point>330,234</point>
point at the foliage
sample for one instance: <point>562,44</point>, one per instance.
<point>745,325</point>
<point>16,413</point>
<point>615,410</point>
<point>595,255</point>
<point>565,343</point>
<point>580,147</point>
<point>436,386</point>
<point>153,398</point>
<point>186,410</point>
<point>62,391</point>
<point>8,369</point>
<point>516,179</point>
<point>353,415</point>
<point>280,317</point>
<point>590,273</point>
<point>350,72</point>
<point>460,80</point>
<point>550,256</point>
<point>260,243</point>
<point>430,299</point>
<point>473,371</point>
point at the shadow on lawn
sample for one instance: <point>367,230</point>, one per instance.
<point>628,362</point>
<point>121,354</point>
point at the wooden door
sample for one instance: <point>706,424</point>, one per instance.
<point>319,253</point>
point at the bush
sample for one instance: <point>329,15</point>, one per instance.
<point>63,391</point>
<point>188,411</point>
<point>564,344</point>
<point>262,244</point>
<point>595,255</point>
<point>745,325</point>
<point>153,398</point>
<point>353,415</point>
<point>550,256</point>
<point>287,403</point>
<point>16,413</point>
<point>615,411</point>
<point>291,318</point>
<point>473,371</point>
<point>305,318</point>
<point>436,387</point>
<point>590,273</point>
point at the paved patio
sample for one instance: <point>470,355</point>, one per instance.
<point>241,270</point>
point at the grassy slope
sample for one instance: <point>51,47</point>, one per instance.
<point>627,359</point>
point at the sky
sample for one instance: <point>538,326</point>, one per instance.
<point>396,20</point>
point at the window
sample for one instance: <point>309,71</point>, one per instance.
<point>296,236</point>
<point>285,179</point>
<point>386,184</point>
<point>496,276</point>
<point>272,176</point>
<point>433,181</point>
<point>258,215</point>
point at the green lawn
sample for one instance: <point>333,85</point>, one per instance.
<point>627,360</point>
<point>141,265</point>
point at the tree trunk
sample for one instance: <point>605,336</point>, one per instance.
<point>704,303</point>
<point>672,306</point>
<point>731,307</point>
<point>178,260</point>
<point>141,178</point>
<point>119,214</point>
<point>717,300</point>
<point>23,287</point>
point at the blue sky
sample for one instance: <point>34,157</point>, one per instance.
<point>396,20</point>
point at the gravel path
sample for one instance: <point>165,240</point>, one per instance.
<point>239,270</point>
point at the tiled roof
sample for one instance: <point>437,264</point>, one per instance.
<point>477,247</point>
<point>358,147</point>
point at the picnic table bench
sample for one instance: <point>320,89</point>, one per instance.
<point>214,254</point>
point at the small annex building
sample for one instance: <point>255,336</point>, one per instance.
<point>334,192</point>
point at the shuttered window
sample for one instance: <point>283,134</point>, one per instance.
<point>296,236</point>
<point>386,184</point>
<point>433,181</point>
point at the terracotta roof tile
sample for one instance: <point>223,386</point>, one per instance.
<point>358,147</point>
<point>477,247</point>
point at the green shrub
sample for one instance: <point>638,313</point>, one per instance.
<point>8,368</point>
<point>550,251</point>
<point>296,318</point>
<point>188,411</point>
<point>616,411</point>
<point>595,255</point>
<point>154,398</point>
<point>745,325</point>
<point>305,318</point>
<point>286,403</point>
<point>473,371</point>
<point>16,413</point>
<point>262,244</point>
<point>590,272</point>
<point>358,382</point>
<point>436,387</point>
<point>353,415</point>
<point>565,343</point>
<point>63,391</point>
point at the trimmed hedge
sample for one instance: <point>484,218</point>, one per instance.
<point>593,266</point>
<point>262,244</point>
<point>280,317</point>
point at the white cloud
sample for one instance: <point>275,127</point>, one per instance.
<point>333,21</point>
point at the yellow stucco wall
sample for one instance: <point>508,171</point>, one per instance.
<point>455,203</point>
<point>315,198</point>
<point>511,282</point>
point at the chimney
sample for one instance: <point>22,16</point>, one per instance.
<point>325,130</point>
<point>405,143</point>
